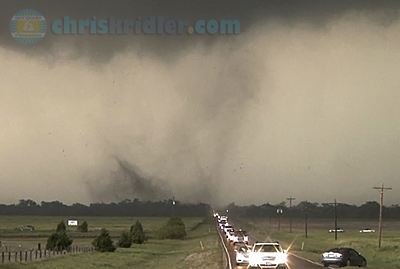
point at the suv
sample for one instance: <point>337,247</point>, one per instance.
<point>267,255</point>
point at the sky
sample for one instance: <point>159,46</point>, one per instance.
<point>303,102</point>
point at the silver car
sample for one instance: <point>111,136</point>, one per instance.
<point>343,257</point>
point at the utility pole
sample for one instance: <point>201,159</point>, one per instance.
<point>381,188</point>
<point>290,211</point>
<point>306,228</point>
<point>335,220</point>
<point>335,216</point>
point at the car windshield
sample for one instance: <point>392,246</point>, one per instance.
<point>268,248</point>
<point>242,249</point>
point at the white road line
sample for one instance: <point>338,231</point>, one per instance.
<point>226,250</point>
<point>310,261</point>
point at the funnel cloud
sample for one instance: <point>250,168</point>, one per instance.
<point>302,103</point>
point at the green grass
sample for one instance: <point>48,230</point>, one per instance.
<point>187,253</point>
<point>12,237</point>
<point>319,240</point>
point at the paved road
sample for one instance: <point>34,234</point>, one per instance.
<point>294,262</point>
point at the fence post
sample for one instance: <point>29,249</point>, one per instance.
<point>16,256</point>
<point>30,255</point>
<point>9,256</point>
<point>2,257</point>
<point>20,255</point>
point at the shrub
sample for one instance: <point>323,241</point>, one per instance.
<point>83,227</point>
<point>136,227</point>
<point>59,241</point>
<point>138,236</point>
<point>103,242</point>
<point>61,227</point>
<point>173,229</point>
<point>125,241</point>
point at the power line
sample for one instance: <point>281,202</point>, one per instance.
<point>381,188</point>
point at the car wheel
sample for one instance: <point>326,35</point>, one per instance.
<point>326,265</point>
<point>363,264</point>
<point>348,263</point>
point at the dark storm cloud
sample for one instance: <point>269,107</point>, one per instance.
<point>167,47</point>
<point>304,96</point>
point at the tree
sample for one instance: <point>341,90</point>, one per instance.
<point>136,227</point>
<point>126,240</point>
<point>83,227</point>
<point>61,227</point>
<point>59,241</point>
<point>173,229</point>
<point>137,234</point>
<point>103,242</point>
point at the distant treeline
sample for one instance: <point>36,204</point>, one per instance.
<point>369,210</point>
<point>166,208</point>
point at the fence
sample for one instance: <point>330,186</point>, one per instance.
<point>36,254</point>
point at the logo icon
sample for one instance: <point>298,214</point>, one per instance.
<point>28,26</point>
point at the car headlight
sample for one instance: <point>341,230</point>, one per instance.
<point>281,258</point>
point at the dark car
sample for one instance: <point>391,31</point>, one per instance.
<point>343,257</point>
<point>240,236</point>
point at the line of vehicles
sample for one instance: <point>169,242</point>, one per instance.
<point>272,255</point>
<point>258,255</point>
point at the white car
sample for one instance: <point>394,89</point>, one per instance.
<point>227,227</point>
<point>338,230</point>
<point>223,218</point>
<point>242,254</point>
<point>230,235</point>
<point>367,230</point>
<point>228,232</point>
<point>268,255</point>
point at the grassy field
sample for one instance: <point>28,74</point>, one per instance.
<point>12,237</point>
<point>319,240</point>
<point>201,248</point>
